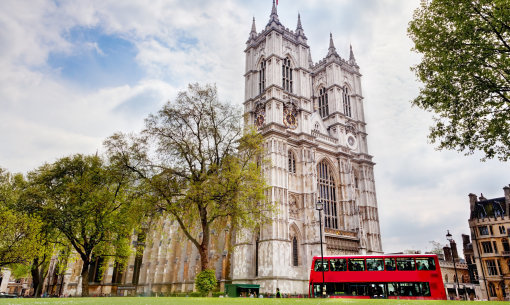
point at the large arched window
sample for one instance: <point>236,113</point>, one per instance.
<point>327,193</point>
<point>295,258</point>
<point>262,76</point>
<point>323,102</point>
<point>287,75</point>
<point>347,102</point>
<point>292,162</point>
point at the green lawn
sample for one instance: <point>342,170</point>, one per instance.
<point>211,301</point>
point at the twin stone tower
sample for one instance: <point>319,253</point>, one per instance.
<point>312,119</point>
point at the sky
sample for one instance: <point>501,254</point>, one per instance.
<point>75,72</point>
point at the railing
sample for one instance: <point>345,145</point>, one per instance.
<point>324,137</point>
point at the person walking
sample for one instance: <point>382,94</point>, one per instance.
<point>278,293</point>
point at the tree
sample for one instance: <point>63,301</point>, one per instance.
<point>19,232</point>
<point>205,281</point>
<point>466,72</point>
<point>93,204</point>
<point>199,166</point>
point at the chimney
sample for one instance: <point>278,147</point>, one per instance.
<point>455,253</point>
<point>506,189</point>
<point>472,201</point>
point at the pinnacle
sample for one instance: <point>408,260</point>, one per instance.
<point>274,15</point>
<point>351,55</point>
<point>332,49</point>
<point>253,28</point>
<point>299,27</point>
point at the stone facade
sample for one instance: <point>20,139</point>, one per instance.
<point>312,119</point>
<point>490,231</point>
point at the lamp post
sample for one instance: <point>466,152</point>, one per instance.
<point>450,239</point>
<point>319,207</point>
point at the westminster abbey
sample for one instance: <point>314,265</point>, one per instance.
<point>311,115</point>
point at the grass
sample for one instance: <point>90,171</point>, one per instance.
<point>213,301</point>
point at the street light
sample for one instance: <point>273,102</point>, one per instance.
<point>450,239</point>
<point>319,206</point>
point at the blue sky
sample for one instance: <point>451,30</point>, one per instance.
<point>74,72</point>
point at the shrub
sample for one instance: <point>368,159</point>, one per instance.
<point>205,281</point>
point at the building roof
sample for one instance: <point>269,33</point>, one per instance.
<point>489,208</point>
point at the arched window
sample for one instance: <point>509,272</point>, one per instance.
<point>287,75</point>
<point>347,102</point>
<point>327,193</point>
<point>262,76</point>
<point>292,163</point>
<point>295,260</point>
<point>323,102</point>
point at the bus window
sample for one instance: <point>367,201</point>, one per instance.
<point>405,263</point>
<point>358,289</point>
<point>317,290</point>
<point>392,289</point>
<point>337,289</point>
<point>318,266</point>
<point>390,264</point>
<point>375,264</point>
<point>409,289</point>
<point>426,263</point>
<point>338,264</point>
<point>356,264</point>
<point>376,290</point>
<point>425,289</point>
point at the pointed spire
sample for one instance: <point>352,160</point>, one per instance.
<point>299,28</point>
<point>253,32</point>
<point>332,49</point>
<point>273,11</point>
<point>352,60</point>
<point>274,15</point>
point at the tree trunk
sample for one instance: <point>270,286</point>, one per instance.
<point>204,250</point>
<point>85,278</point>
<point>204,257</point>
<point>36,279</point>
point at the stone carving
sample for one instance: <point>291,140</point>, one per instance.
<point>293,207</point>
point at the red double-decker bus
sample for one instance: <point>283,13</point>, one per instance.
<point>382,276</point>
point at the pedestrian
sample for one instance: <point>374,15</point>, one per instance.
<point>278,294</point>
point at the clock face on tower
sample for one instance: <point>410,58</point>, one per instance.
<point>290,121</point>
<point>351,141</point>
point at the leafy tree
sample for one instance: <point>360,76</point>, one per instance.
<point>92,204</point>
<point>466,72</point>
<point>205,281</point>
<point>18,232</point>
<point>199,166</point>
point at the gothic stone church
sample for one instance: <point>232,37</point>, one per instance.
<point>312,119</point>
